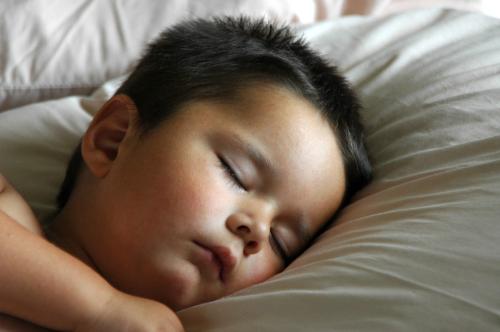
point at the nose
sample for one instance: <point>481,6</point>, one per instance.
<point>252,224</point>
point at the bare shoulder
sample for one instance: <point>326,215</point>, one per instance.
<point>16,207</point>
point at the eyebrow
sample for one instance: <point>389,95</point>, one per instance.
<point>256,154</point>
<point>264,162</point>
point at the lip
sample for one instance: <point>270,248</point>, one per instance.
<point>223,258</point>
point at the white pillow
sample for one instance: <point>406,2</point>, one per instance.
<point>418,249</point>
<point>37,141</point>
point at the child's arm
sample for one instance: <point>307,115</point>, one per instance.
<point>12,324</point>
<point>45,285</point>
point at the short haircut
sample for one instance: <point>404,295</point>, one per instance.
<point>213,58</point>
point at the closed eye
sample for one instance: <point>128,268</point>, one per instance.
<point>231,174</point>
<point>278,247</point>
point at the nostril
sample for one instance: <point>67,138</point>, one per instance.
<point>243,229</point>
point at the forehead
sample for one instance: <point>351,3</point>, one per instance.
<point>295,138</point>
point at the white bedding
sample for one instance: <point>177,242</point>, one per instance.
<point>417,250</point>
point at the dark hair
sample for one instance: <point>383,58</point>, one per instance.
<point>213,58</point>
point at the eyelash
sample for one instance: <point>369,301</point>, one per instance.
<point>231,174</point>
<point>275,243</point>
<point>278,248</point>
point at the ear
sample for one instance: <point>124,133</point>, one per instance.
<point>106,133</point>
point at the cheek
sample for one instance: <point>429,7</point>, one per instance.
<point>191,196</point>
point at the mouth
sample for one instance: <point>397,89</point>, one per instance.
<point>223,258</point>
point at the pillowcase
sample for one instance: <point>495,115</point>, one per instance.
<point>417,250</point>
<point>37,141</point>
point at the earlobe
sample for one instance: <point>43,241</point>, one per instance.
<point>106,134</point>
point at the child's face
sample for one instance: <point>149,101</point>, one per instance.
<point>187,215</point>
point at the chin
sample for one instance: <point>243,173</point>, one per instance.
<point>190,297</point>
<point>179,292</point>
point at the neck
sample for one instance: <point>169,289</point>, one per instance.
<point>61,232</point>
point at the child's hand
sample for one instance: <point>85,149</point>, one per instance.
<point>16,207</point>
<point>125,312</point>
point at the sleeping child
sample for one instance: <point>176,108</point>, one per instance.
<point>227,150</point>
